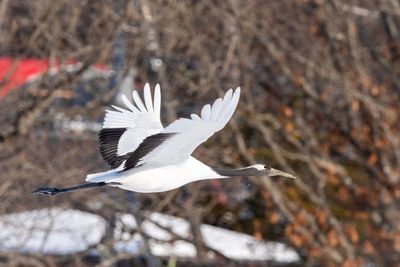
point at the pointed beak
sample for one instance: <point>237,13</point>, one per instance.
<point>275,172</point>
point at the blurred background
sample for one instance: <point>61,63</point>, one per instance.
<point>320,100</point>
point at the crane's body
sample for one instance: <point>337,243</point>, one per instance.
<point>146,157</point>
<point>152,180</point>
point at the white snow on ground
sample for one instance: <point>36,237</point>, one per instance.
<point>50,231</point>
<point>57,231</point>
<point>233,245</point>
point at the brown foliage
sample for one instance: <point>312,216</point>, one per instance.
<point>321,94</point>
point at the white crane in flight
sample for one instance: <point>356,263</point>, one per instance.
<point>146,157</point>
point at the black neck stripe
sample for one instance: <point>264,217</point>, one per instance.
<point>248,171</point>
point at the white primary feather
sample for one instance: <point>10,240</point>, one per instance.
<point>216,107</point>
<point>128,104</point>
<point>147,98</point>
<point>157,100</point>
<point>206,112</point>
<point>195,117</point>
<point>138,101</point>
<point>141,121</point>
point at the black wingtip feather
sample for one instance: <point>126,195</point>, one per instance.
<point>109,138</point>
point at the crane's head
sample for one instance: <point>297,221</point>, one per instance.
<point>253,170</point>
<point>266,170</point>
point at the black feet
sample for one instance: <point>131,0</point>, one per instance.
<point>50,191</point>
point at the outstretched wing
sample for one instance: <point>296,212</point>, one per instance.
<point>125,129</point>
<point>176,143</point>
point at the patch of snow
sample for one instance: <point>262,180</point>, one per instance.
<point>233,245</point>
<point>50,231</point>
<point>59,231</point>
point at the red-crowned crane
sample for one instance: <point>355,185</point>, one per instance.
<point>146,157</point>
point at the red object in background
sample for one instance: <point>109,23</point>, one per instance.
<point>15,72</point>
